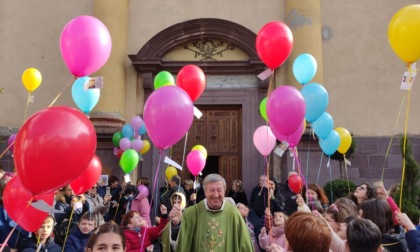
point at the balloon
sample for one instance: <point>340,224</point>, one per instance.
<point>16,200</point>
<point>143,190</point>
<point>10,142</point>
<point>294,138</point>
<point>263,108</point>
<point>192,79</point>
<point>170,172</point>
<point>316,100</point>
<point>295,183</point>
<point>85,99</point>
<point>137,144</point>
<point>330,144</point>
<point>163,78</point>
<point>304,68</point>
<point>345,140</point>
<point>127,131</point>
<point>31,79</point>
<point>323,125</point>
<point>274,43</point>
<point>129,160</point>
<point>146,147</point>
<point>136,123</point>
<point>142,129</point>
<point>168,114</point>
<point>54,145</point>
<point>403,33</point>
<point>285,110</point>
<point>116,138</point>
<point>85,45</point>
<point>200,148</point>
<point>195,162</point>
<point>125,144</point>
<point>264,140</point>
<point>88,177</point>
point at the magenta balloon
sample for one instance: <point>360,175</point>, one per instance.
<point>292,139</point>
<point>136,123</point>
<point>125,144</point>
<point>196,162</point>
<point>85,45</point>
<point>285,110</point>
<point>137,145</point>
<point>168,115</point>
<point>11,140</point>
<point>143,190</point>
<point>264,140</point>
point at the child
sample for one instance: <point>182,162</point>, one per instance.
<point>109,238</point>
<point>277,235</point>
<point>77,241</point>
<point>137,235</point>
<point>41,240</point>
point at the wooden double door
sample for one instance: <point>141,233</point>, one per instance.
<point>219,131</point>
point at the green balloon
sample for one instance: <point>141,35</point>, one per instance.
<point>129,160</point>
<point>163,78</point>
<point>116,138</point>
<point>263,109</point>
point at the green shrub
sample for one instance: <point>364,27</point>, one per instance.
<point>338,188</point>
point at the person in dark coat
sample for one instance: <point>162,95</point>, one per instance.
<point>174,186</point>
<point>237,192</point>
<point>290,205</point>
<point>257,190</point>
<point>77,241</point>
<point>261,200</point>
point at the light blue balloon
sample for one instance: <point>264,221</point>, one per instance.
<point>85,99</point>
<point>330,144</point>
<point>142,129</point>
<point>304,68</point>
<point>323,125</point>
<point>316,100</point>
<point>127,131</point>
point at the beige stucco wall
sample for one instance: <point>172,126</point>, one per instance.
<point>361,72</point>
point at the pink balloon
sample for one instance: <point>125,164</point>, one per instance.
<point>10,141</point>
<point>285,110</point>
<point>168,115</point>
<point>85,45</point>
<point>292,139</point>
<point>264,140</point>
<point>136,123</point>
<point>125,144</point>
<point>137,144</point>
<point>143,190</point>
<point>196,162</point>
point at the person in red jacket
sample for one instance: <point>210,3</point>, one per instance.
<point>138,236</point>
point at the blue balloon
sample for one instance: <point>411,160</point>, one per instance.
<point>304,68</point>
<point>330,144</point>
<point>86,99</point>
<point>142,129</point>
<point>316,100</point>
<point>323,125</point>
<point>127,131</point>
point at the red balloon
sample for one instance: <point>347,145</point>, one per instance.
<point>192,79</point>
<point>274,43</point>
<point>88,178</point>
<point>53,147</point>
<point>16,198</point>
<point>295,183</point>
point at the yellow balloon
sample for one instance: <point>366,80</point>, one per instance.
<point>404,33</point>
<point>345,140</point>
<point>31,79</point>
<point>201,148</point>
<point>146,147</point>
<point>170,172</point>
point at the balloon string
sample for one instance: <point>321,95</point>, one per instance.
<point>59,94</point>
<point>267,164</point>
<point>405,137</point>
<point>307,161</point>
<point>7,148</point>
<point>345,169</point>
<point>155,180</point>
<point>295,154</point>
<point>67,230</point>
<point>329,164</point>
<point>183,154</point>
<point>319,169</point>
<point>26,109</point>
<point>17,223</point>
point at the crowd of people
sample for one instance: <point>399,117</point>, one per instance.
<point>204,216</point>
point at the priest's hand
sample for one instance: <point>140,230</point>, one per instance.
<point>176,214</point>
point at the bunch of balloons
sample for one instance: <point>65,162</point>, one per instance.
<point>196,159</point>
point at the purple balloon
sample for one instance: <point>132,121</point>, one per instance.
<point>10,141</point>
<point>168,115</point>
<point>137,144</point>
<point>143,190</point>
<point>125,144</point>
<point>285,110</point>
<point>136,123</point>
<point>85,45</point>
